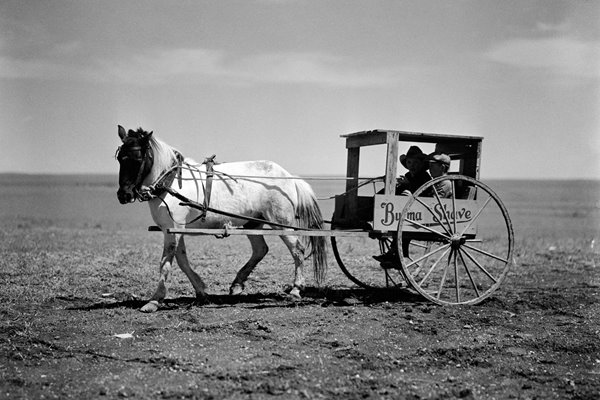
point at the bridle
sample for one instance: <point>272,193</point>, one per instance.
<point>144,155</point>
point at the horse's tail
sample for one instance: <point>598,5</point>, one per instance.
<point>309,216</point>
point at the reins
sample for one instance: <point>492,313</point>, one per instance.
<point>190,203</point>
<point>165,180</point>
<point>224,176</point>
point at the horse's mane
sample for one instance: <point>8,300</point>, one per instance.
<point>164,155</point>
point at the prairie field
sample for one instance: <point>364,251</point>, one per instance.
<point>76,267</point>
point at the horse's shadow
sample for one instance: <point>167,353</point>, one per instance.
<point>344,297</point>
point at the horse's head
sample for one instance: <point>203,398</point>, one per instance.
<point>135,158</point>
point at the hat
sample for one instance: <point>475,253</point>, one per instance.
<point>440,158</point>
<point>413,152</point>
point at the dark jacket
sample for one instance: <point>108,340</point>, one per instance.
<point>412,182</point>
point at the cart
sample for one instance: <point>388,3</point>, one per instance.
<point>454,250</point>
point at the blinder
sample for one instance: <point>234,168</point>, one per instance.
<point>142,155</point>
<point>133,153</point>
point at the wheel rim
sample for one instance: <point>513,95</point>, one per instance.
<point>467,251</point>
<point>354,256</point>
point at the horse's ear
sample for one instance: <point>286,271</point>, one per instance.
<point>146,136</point>
<point>122,133</point>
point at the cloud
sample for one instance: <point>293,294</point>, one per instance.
<point>13,68</point>
<point>563,56</point>
<point>561,27</point>
<point>311,68</point>
<point>162,66</point>
<point>201,66</point>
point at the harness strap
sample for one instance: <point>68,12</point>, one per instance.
<point>190,203</point>
<point>139,178</point>
<point>167,179</point>
<point>164,185</point>
<point>179,169</point>
<point>210,162</point>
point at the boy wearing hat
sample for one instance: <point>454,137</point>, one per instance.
<point>416,162</point>
<point>439,164</point>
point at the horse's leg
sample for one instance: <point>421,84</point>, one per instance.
<point>297,250</point>
<point>182,261</point>
<point>166,261</point>
<point>259,250</point>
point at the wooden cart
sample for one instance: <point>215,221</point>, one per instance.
<point>454,250</point>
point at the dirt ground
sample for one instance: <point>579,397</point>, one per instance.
<point>68,292</point>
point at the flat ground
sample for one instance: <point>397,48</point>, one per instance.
<point>67,292</point>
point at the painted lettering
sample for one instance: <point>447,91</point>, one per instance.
<point>414,216</point>
<point>390,216</point>
<point>462,214</point>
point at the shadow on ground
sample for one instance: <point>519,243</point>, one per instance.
<point>311,296</point>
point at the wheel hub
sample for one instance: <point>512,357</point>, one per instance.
<point>456,241</point>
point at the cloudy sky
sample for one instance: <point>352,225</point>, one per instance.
<point>283,79</point>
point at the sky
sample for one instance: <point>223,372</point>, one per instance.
<point>283,79</point>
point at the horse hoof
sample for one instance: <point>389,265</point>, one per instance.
<point>295,294</point>
<point>236,289</point>
<point>150,307</point>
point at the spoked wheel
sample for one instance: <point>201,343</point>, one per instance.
<point>466,241</point>
<point>354,255</point>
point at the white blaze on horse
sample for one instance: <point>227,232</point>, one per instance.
<point>261,190</point>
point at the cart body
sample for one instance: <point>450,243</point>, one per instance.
<point>453,250</point>
<point>381,211</point>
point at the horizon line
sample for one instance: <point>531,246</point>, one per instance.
<point>96,174</point>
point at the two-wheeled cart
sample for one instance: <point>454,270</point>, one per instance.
<point>454,250</point>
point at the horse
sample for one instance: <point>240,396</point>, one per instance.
<point>249,194</point>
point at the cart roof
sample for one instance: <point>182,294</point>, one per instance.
<point>379,136</point>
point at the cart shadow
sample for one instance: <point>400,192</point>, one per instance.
<point>312,296</point>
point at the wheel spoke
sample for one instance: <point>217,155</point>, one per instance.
<point>456,277</point>
<point>427,228</point>
<point>427,255</point>
<point>419,266</point>
<point>385,245</point>
<point>444,276</point>
<point>454,205</point>
<point>486,253</point>
<point>435,218</point>
<point>434,265</point>
<point>480,266</point>
<point>469,273</point>
<point>476,215</point>
<point>439,201</point>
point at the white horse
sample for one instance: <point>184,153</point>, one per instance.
<point>261,190</point>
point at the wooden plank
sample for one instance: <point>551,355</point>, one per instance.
<point>478,165</point>
<point>367,139</point>
<point>352,169</point>
<point>407,136</point>
<point>265,232</point>
<point>391,163</point>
